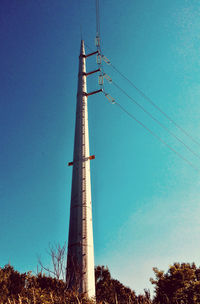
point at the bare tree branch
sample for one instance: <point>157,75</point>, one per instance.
<point>58,259</point>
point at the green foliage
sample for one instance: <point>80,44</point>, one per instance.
<point>11,282</point>
<point>28,289</point>
<point>109,290</point>
<point>16,288</point>
<point>180,285</point>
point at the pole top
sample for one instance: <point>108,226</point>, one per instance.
<point>82,50</point>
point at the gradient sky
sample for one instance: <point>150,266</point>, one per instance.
<point>146,201</point>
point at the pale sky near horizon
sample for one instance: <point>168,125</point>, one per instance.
<point>146,201</point>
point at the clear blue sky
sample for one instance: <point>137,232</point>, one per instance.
<point>145,199</point>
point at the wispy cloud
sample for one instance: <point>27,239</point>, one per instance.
<point>187,21</point>
<point>163,231</point>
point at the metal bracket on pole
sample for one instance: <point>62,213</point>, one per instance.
<point>88,55</point>
<point>92,72</point>
<point>94,92</point>
<point>87,158</point>
<point>91,54</point>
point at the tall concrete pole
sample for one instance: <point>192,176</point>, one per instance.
<point>80,258</point>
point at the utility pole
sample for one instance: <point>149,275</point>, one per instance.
<point>80,257</point>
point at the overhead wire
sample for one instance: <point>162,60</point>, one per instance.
<point>154,104</point>
<point>156,136</point>
<point>156,120</point>
<point>80,19</point>
<point>98,46</point>
<point>97,19</point>
<point>153,133</point>
<point>146,97</point>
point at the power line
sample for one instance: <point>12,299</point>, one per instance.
<point>156,120</point>
<point>97,19</point>
<point>80,19</point>
<point>154,105</point>
<point>156,136</point>
<point>157,107</point>
<point>149,130</point>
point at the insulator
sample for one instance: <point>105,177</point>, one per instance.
<point>106,59</point>
<point>98,59</point>
<point>97,41</point>
<point>100,79</point>
<point>107,77</point>
<point>110,98</point>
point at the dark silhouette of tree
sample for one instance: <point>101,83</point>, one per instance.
<point>180,285</point>
<point>11,282</point>
<point>30,289</point>
<point>113,292</point>
<point>26,288</point>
